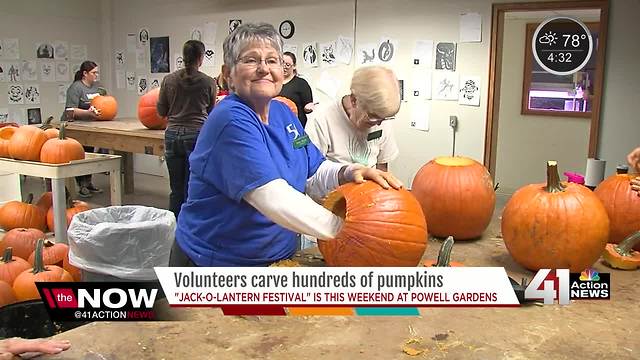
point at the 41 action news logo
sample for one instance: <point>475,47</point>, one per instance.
<point>95,301</point>
<point>550,285</point>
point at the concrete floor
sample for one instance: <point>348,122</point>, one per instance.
<point>582,330</point>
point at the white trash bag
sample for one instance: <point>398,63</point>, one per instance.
<point>122,241</point>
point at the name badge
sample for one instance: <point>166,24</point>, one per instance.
<point>374,135</point>
<point>301,141</point>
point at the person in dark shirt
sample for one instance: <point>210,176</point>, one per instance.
<point>296,88</point>
<point>186,98</point>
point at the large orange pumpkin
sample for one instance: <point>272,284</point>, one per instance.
<point>555,225</point>
<point>147,112</point>
<point>73,207</point>
<point>26,143</point>
<point>6,133</point>
<point>25,284</point>
<point>457,197</point>
<point>381,227</point>
<point>23,241</point>
<point>622,205</point>
<point>11,266</point>
<point>18,214</point>
<point>7,296</point>
<point>288,102</point>
<point>107,105</point>
<point>61,150</point>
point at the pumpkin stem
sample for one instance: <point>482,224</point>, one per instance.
<point>61,130</point>
<point>38,262</point>
<point>29,198</point>
<point>46,124</point>
<point>8,255</point>
<point>444,255</point>
<point>553,178</point>
<point>624,248</point>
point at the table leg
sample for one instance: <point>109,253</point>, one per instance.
<point>59,210</point>
<point>115,178</point>
<point>127,161</point>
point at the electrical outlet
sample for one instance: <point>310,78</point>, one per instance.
<point>453,122</point>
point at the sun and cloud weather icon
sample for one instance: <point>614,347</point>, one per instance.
<point>589,275</point>
<point>549,38</point>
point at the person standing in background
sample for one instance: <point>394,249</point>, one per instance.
<point>634,162</point>
<point>296,88</point>
<point>186,98</point>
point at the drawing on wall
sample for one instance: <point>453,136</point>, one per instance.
<point>469,91</point>
<point>141,57</point>
<point>3,72</point>
<point>209,31</point>
<point>445,85</point>
<point>327,54</point>
<point>196,34</point>
<point>386,50</point>
<point>61,49</point>
<point>287,29</point>
<point>160,54</point>
<point>62,71</point>
<point>178,61</point>
<point>142,85</point>
<point>366,54</point>
<point>32,94</point>
<point>344,50</point>
<point>34,116</point>
<point>11,49</point>
<point>15,94</point>
<point>62,94</point>
<point>155,83</point>
<point>13,73</point>
<point>446,56</point>
<point>78,52</point>
<point>74,67</point>
<point>209,55</point>
<point>233,24</point>
<point>29,70</point>
<point>4,115</point>
<point>131,80</point>
<point>143,37</point>
<point>44,51</point>
<point>119,58</point>
<point>47,73</point>
<point>310,54</point>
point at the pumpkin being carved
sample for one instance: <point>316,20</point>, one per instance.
<point>26,143</point>
<point>381,227</point>
<point>622,205</point>
<point>107,105</point>
<point>457,197</point>
<point>147,112</point>
<point>555,225</point>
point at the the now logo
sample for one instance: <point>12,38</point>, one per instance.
<point>117,298</point>
<point>549,285</point>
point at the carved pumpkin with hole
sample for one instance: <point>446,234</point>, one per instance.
<point>381,227</point>
<point>61,150</point>
<point>73,207</point>
<point>622,205</point>
<point>147,112</point>
<point>11,266</point>
<point>290,104</point>
<point>457,197</point>
<point>555,225</point>
<point>107,105</point>
<point>18,214</point>
<point>25,284</point>
<point>23,241</point>
<point>26,143</point>
<point>5,136</point>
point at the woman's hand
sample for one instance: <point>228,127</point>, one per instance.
<point>95,110</point>
<point>17,346</point>
<point>309,107</point>
<point>634,159</point>
<point>635,185</point>
<point>358,174</point>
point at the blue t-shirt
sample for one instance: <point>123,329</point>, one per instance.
<point>236,153</point>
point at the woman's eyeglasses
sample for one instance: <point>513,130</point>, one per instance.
<point>287,65</point>
<point>252,62</point>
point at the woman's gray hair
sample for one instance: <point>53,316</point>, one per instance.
<point>245,34</point>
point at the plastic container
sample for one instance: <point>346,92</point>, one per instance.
<point>574,177</point>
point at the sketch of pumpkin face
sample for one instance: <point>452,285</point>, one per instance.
<point>61,68</point>
<point>131,80</point>
<point>15,93</point>
<point>310,54</point>
<point>179,62</point>
<point>469,90</point>
<point>46,69</point>
<point>142,84</point>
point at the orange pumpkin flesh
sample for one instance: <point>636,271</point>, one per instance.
<point>381,227</point>
<point>17,214</point>
<point>23,241</point>
<point>5,136</point>
<point>622,205</point>
<point>11,266</point>
<point>7,296</point>
<point>61,150</point>
<point>622,256</point>
<point>147,112</point>
<point>457,197</point>
<point>288,102</point>
<point>555,225</point>
<point>26,143</point>
<point>107,105</point>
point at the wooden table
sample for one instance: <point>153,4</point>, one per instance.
<point>92,164</point>
<point>123,136</point>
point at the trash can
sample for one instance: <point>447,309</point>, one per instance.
<point>120,243</point>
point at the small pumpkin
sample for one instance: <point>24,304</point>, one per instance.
<point>7,296</point>
<point>622,256</point>
<point>73,207</point>
<point>25,284</point>
<point>148,113</point>
<point>11,266</point>
<point>287,102</point>
<point>26,143</point>
<point>5,136</point>
<point>45,202</point>
<point>52,253</point>
<point>61,150</point>
<point>107,105</point>
<point>457,197</point>
<point>381,227</point>
<point>444,256</point>
<point>23,241</point>
<point>555,225</point>
<point>622,205</point>
<point>18,214</point>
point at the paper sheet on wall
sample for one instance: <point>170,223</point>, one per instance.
<point>143,38</point>
<point>328,84</point>
<point>209,56</point>
<point>4,115</point>
<point>32,94</point>
<point>74,67</point>
<point>61,50</point>
<point>131,42</point>
<point>423,53</point>
<point>387,50</point>
<point>130,77</point>
<point>18,115</point>
<point>310,55</point>
<point>445,85</point>
<point>142,84</point>
<point>78,52</point>
<point>196,33</point>
<point>15,94</point>
<point>344,50</point>
<point>292,48</point>
<point>47,71</point>
<point>62,94</point>
<point>469,90</point>
<point>470,27</point>
<point>367,54</point>
<point>11,49</point>
<point>120,79</point>
<point>29,70</point>
<point>14,71</point>
<point>327,54</point>
<point>210,32</point>
<point>178,61</point>
<point>141,58</point>
<point>420,115</point>
<point>119,59</point>
<point>421,84</point>
<point>155,82</point>
<point>62,71</point>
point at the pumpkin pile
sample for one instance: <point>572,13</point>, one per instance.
<point>18,215</point>
<point>381,227</point>
<point>44,144</point>
<point>148,113</point>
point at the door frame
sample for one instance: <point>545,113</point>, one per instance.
<point>498,11</point>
